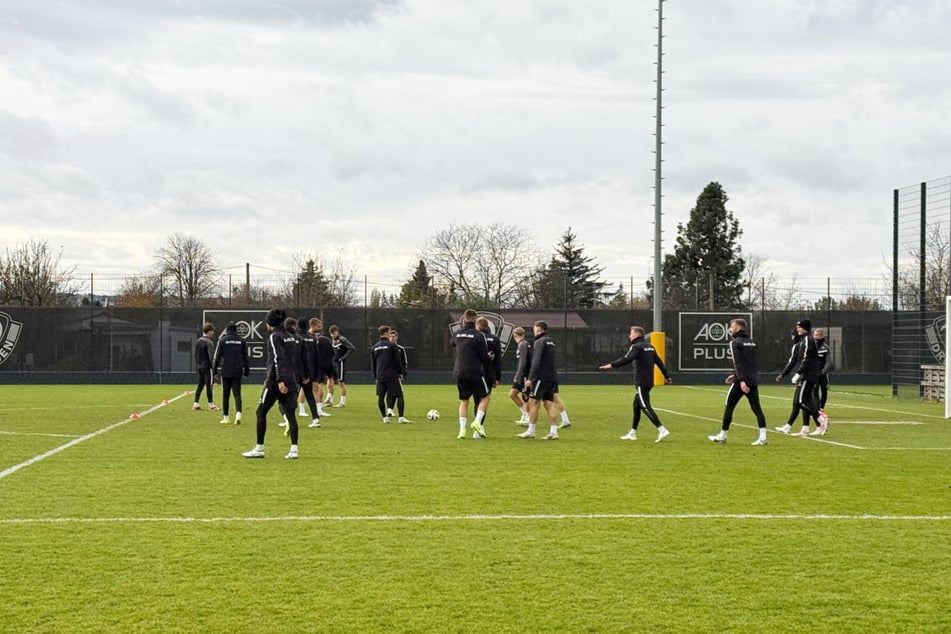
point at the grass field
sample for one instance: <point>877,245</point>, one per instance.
<point>158,524</point>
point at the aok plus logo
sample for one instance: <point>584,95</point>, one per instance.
<point>705,340</point>
<point>497,326</point>
<point>9,335</point>
<point>250,325</point>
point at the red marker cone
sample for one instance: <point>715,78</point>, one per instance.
<point>134,417</point>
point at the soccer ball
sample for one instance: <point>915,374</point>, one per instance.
<point>432,414</point>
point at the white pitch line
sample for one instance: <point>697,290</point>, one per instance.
<point>837,405</point>
<point>772,431</point>
<point>482,518</point>
<point>36,433</point>
<point>909,448</point>
<point>80,439</point>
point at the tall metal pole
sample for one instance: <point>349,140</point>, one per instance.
<point>658,177</point>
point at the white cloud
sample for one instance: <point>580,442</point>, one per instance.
<point>127,120</point>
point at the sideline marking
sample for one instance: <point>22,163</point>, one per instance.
<point>771,431</point>
<point>80,439</point>
<point>489,518</point>
<point>839,421</point>
<point>36,433</point>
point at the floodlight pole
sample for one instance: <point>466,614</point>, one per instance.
<point>658,325</point>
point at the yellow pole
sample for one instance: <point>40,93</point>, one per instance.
<point>659,341</point>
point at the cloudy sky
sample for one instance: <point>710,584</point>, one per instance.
<point>356,128</point>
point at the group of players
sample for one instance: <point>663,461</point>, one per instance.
<point>303,363</point>
<point>303,366</point>
<point>477,368</point>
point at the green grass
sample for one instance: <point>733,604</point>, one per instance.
<point>160,525</point>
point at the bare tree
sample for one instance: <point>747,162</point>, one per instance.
<point>30,275</point>
<point>481,264</point>
<point>937,271</point>
<point>187,263</point>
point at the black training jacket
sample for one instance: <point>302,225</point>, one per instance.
<point>644,357</point>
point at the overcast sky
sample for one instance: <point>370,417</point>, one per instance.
<point>357,128</point>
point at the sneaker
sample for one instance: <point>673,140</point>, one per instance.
<point>462,435</point>
<point>476,436</point>
<point>339,405</point>
<point>631,435</point>
<point>389,412</point>
<point>802,433</point>
<point>237,418</point>
<point>565,425</point>
<point>403,419</point>
<point>315,423</point>
<point>291,455</point>
<point>551,436</point>
<point>522,423</point>
<point>386,420</point>
<point>225,421</point>
<point>301,412</point>
<point>720,438</point>
<point>196,407</point>
<point>254,453</point>
<point>785,429</point>
<point>663,433</point>
<point>816,432</point>
<point>759,442</point>
<point>527,434</point>
<point>477,428</point>
<point>324,412</point>
<point>212,407</point>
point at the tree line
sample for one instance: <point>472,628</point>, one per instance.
<point>494,266</point>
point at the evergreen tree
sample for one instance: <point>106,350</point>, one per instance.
<point>418,291</point>
<point>311,287</point>
<point>570,280</point>
<point>706,269</point>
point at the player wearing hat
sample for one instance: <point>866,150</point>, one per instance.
<point>805,360</point>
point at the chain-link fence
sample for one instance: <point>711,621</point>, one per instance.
<point>108,343</point>
<point>920,272</point>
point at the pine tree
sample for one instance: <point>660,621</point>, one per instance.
<point>571,278</point>
<point>418,291</point>
<point>706,269</point>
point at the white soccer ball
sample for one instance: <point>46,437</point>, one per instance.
<point>432,414</point>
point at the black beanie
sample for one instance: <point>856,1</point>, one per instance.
<point>805,324</point>
<point>276,317</point>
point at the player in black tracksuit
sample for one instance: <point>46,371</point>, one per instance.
<point>386,362</point>
<point>491,370</point>
<point>231,363</point>
<point>399,402</point>
<point>523,359</point>
<point>644,357</point>
<point>204,363</point>
<point>325,363</point>
<point>542,383</point>
<point>309,364</point>
<point>343,347</point>
<point>805,358</point>
<point>280,381</point>
<point>743,382</point>
<point>471,355</point>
